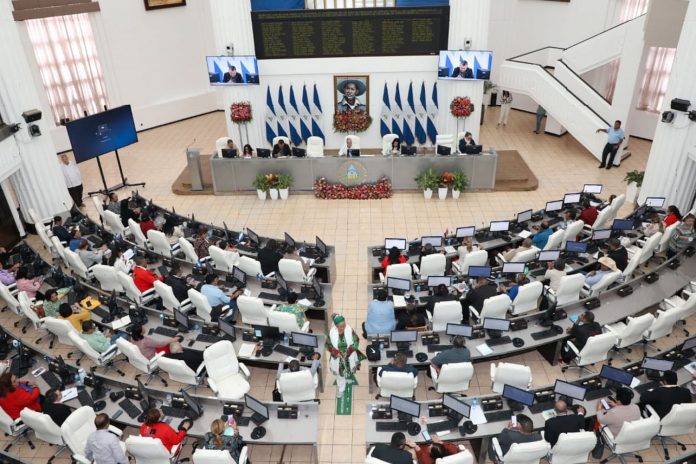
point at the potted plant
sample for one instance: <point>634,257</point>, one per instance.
<point>634,180</point>
<point>445,181</point>
<point>427,181</point>
<point>272,181</point>
<point>283,184</point>
<point>261,186</point>
<point>459,183</point>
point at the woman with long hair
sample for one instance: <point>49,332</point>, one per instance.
<point>394,257</point>
<point>224,436</point>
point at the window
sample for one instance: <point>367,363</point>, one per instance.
<point>70,70</point>
<point>658,66</point>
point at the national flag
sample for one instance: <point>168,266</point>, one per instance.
<point>270,116</point>
<point>420,117</point>
<point>409,115</point>
<point>385,117</point>
<point>294,118</point>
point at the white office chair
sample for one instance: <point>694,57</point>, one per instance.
<point>571,232</point>
<point>647,248</point>
<point>633,262</point>
<point>169,301</point>
<point>387,143</point>
<point>160,243</point>
<point>680,420</point>
<point>42,232</point>
<point>568,290</point>
<point>251,267</point>
<point>8,294</point>
<point>445,312</point>
<point>105,359</point>
<point>446,140</point>
<point>44,429</point>
<point>555,240</point>
<point>524,256</point>
<point>60,249</point>
<point>98,206</point>
<point>205,456</point>
<point>401,271</point>
<point>107,277</point>
<point>396,383</point>
<point>77,266</point>
<point>616,204</point>
<point>515,375</point>
<point>527,298</point>
<point>202,305</point>
<point>572,448</point>
<point>15,428</point>
<point>223,260</point>
<point>595,350</point>
<point>603,221</point>
<point>370,460</point>
<point>227,377</point>
<point>180,372</point>
<point>220,144</point>
<point>602,285</point>
<point>132,292</point>
<point>285,140</point>
<point>297,386</point>
<point>286,322</point>
<point>685,304</point>
<point>496,306</point>
<point>315,147</point>
<point>148,450</point>
<point>474,258</point>
<point>666,236</point>
<point>138,235</point>
<point>453,377</point>
<point>462,457</point>
<point>60,329</point>
<point>190,255</point>
<point>630,332</point>
<point>355,139</point>
<point>521,453</point>
<point>26,309</point>
<point>292,271</point>
<point>76,430</point>
<point>431,265</point>
<point>633,436</point>
<point>140,362</point>
<point>662,326</point>
<point>112,221</point>
<point>253,311</point>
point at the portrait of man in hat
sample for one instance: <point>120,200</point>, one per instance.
<point>351,93</point>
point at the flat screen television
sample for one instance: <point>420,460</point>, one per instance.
<point>478,65</point>
<point>232,70</point>
<point>101,133</point>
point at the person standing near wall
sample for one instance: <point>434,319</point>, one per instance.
<point>505,105</point>
<point>540,113</point>
<point>73,179</point>
<point>615,137</point>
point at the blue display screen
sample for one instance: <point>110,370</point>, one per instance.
<point>101,133</point>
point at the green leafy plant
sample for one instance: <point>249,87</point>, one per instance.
<point>261,183</point>
<point>635,176</point>
<point>428,179</point>
<point>460,181</point>
<point>284,181</point>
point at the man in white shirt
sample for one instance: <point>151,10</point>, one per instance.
<point>103,446</point>
<point>555,271</point>
<point>73,179</point>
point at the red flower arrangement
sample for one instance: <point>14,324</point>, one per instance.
<point>351,121</point>
<point>461,107</point>
<point>240,112</point>
<point>367,191</point>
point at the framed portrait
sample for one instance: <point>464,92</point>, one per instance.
<point>352,92</point>
<point>158,4</point>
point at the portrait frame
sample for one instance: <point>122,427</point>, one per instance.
<point>159,4</point>
<point>340,81</point>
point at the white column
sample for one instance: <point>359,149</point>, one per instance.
<point>39,183</point>
<point>671,168</point>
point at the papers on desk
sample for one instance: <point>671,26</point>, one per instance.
<point>120,323</point>
<point>484,349</point>
<point>68,394</point>
<point>307,261</point>
<point>635,382</point>
<point>461,287</point>
<point>548,414</point>
<point>524,234</point>
<point>246,351</point>
<point>691,367</point>
<point>443,433</point>
<point>477,416</point>
<point>449,249</point>
<point>305,302</point>
<point>128,254</point>
<point>399,301</point>
<point>246,292</point>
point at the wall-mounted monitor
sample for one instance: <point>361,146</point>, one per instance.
<point>232,70</point>
<point>465,65</point>
<point>101,133</point>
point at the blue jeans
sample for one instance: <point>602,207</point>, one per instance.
<point>118,335</point>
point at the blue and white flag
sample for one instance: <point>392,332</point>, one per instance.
<point>385,118</point>
<point>282,115</point>
<point>432,115</point>
<point>409,116</point>
<point>294,118</point>
<point>421,116</point>
<point>316,114</point>
<point>270,116</point>
<point>305,115</point>
<point>397,114</point>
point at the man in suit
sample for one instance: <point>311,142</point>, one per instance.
<point>193,359</point>
<point>232,76</point>
<point>281,149</point>
<point>662,398</point>
<point>564,421</point>
<point>440,294</point>
<point>584,328</point>
<point>463,71</point>
<point>399,451</point>
<point>269,257</point>
<point>618,253</point>
<point>523,432</point>
<point>175,280</point>
<point>482,290</point>
<point>467,140</point>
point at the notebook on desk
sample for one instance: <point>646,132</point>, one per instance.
<point>399,301</point>
<point>450,249</point>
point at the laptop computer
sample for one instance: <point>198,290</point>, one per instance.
<point>408,151</point>
<point>299,152</point>
<point>353,152</point>
<point>443,150</point>
<point>229,153</point>
<point>263,153</point>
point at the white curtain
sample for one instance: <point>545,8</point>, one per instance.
<point>69,65</point>
<point>658,66</point>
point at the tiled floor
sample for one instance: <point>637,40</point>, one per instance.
<point>560,163</point>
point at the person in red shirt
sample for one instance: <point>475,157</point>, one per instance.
<point>428,454</point>
<point>673,215</point>
<point>146,223</point>
<point>152,427</point>
<point>589,213</point>
<point>394,257</point>
<point>15,396</point>
<point>143,278</point>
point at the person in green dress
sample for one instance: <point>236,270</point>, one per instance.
<point>294,308</point>
<point>342,345</point>
<point>54,298</point>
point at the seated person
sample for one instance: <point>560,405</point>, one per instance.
<point>102,445</point>
<point>26,282</point>
<point>618,253</point>
<point>394,257</point>
<point>398,364</point>
<point>662,398</point>
<point>541,238</point>
<point>583,328</point>
<point>523,432</point>
<point>146,224</point>
<point>654,226</point>
<point>395,147</point>
<point>673,215</point>
<point>60,231</point>
<point>457,354</point>
<point>294,308</point>
<point>232,76</point>
<point>606,266</point>
<point>526,245</point>
<point>380,315</point>
<point>75,318</point>
<point>15,395</point>
<point>556,270</point>
<point>89,257</point>
<point>463,71</point>
<point>217,298</point>
<point>428,249</point>
<point>468,139</point>
<point>172,231</point>
<point>113,204</point>
<point>53,298</point>
<point>118,260</point>
<point>231,145</point>
<point>479,293</point>
<point>294,366</point>
<point>219,439</point>
<point>143,278</point>
<point>248,152</point>
<point>193,359</point>
<point>619,412</point>
<point>281,149</point>
<point>154,428</point>
<point>294,254</point>
<point>514,287</point>
<point>588,214</point>
<point>568,218</point>
<point>565,420</point>
<point>128,213</point>
<point>148,346</point>
<point>429,454</point>
<point>99,341</point>
<point>398,451</point>
<point>413,318</point>
<point>269,257</point>
<point>465,248</point>
<point>683,236</point>
<point>348,145</point>
<point>202,243</point>
<point>440,293</point>
<point>76,239</point>
<point>54,408</point>
<point>175,279</point>
<point>7,276</point>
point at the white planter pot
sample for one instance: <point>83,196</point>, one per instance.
<point>274,194</point>
<point>427,194</point>
<point>442,193</point>
<point>632,192</point>
<point>261,194</point>
<point>284,193</point>
<point>455,194</point>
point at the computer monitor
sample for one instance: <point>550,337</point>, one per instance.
<point>317,288</point>
<point>398,284</point>
<point>492,323</point>
<point>517,394</point>
<point>601,234</point>
<point>281,281</point>
<point>459,329</point>
<point>552,206</point>
<point>143,391</point>
<point>576,247</point>
<point>238,275</point>
<point>402,405</point>
<point>434,281</point>
<point>655,202</point>
<point>513,268</point>
<point>548,255</point>
<point>353,152</point>
<point>456,405</point>
<point>443,150</point>
<point>266,332</point>
<point>592,188</point>
<point>321,246</point>
<point>263,153</point>
<point>571,198</point>
<point>656,364</point>
<point>406,336</point>
<point>468,231</point>
<point>301,152</point>
<point>226,328</point>
<point>305,339</point>
<point>399,243</point>
<point>181,319</point>
<point>253,236</point>
<point>479,271</point>
<point>499,226</point>
<point>614,374</point>
<point>256,406</point>
<point>689,344</point>
<point>570,390</point>
<point>192,404</point>
<point>229,152</point>
<point>289,241</point>
<point>524,216</point>
<point>434,240</point>
<point>622,224</point>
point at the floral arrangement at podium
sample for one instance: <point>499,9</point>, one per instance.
<point>366,191</point>
<point>461,108</point>
<point>351,121</point>
<point>240,114</point>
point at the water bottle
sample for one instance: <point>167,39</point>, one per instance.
<point>81,374</point>
<point>162,318</point>
<point>474,403</point>
<point>168,399</point>
<point>381,345</point>
<point>286,339</point>
<point>259,277</point>
<point>196,329</point>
